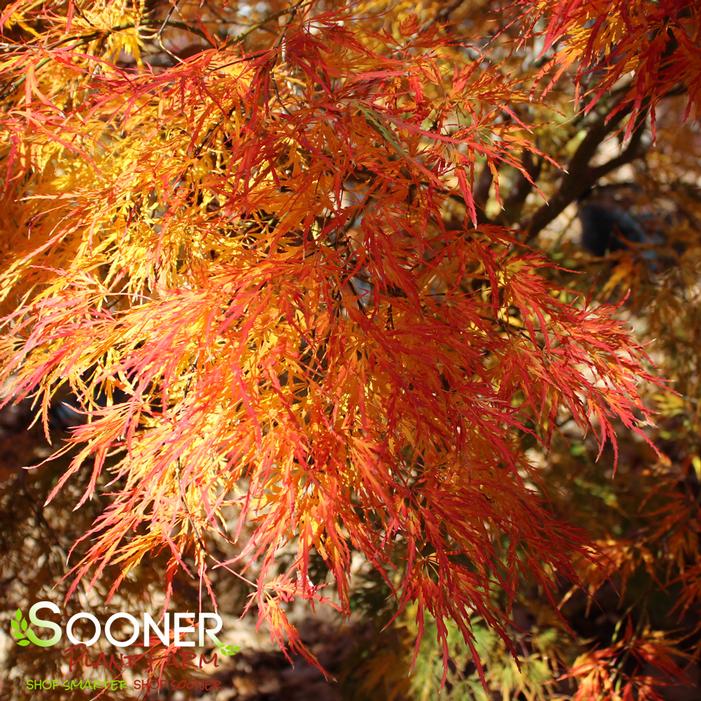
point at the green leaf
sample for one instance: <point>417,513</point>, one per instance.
<point>578,449</point>
<point>19,626</point>
<point>229,650</point>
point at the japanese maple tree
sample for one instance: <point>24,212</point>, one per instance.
<point>256,247</point>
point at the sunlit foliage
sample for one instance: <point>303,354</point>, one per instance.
<point>278,260</point>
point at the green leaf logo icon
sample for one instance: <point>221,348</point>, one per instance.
<point>24,635</point>
<point>19,627</point>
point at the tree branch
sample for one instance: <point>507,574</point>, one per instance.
<point>522,188</point>
<point>580,176</point>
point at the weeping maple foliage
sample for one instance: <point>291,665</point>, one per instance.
<point>260,266</point>
<point>654,41</point>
